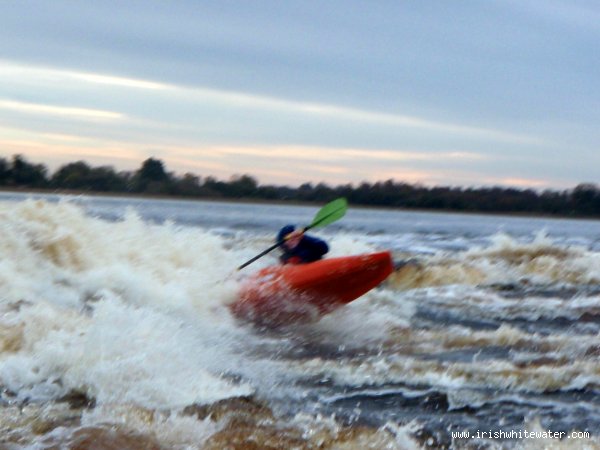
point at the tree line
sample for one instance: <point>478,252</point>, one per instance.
<point>152,178</point>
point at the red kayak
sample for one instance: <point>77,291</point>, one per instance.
<point>290,293</point>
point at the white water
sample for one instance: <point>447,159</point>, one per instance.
<point>132,313</point>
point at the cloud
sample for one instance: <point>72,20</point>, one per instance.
<point>220,132</point>
<point>327,111</point>
<point>522,182</point>
<point>72,112</point>
<point>55,78</point>
<point>51,76</point>
<point>117,81</point>
<point>298,164</point>
<point>56,149</point>
<point>328,154</point>
<point>289,165</point>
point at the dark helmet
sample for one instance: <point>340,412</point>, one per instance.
<point>284,232</point>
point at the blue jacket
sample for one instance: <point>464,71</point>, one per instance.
<point>309,248</point>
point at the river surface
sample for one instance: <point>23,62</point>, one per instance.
<point>115,331</point>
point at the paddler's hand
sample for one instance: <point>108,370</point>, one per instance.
<point>293,239</point>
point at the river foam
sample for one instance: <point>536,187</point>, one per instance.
<point>118,331</point>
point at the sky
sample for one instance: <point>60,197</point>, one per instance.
<point>464,93</point>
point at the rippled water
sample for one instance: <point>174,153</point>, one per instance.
<point>114,329</point>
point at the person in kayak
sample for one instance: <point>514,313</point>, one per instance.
<point>300,248</point>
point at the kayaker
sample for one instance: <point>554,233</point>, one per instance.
<point>300,248</point>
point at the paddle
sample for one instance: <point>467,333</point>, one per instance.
<point>329,213</point>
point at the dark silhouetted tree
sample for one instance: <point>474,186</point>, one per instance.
<point>151,178</point>
<point>23,173</point>
<point>79,175</point>
<point>242,186</point>
<point>586,198</point>
<point>188,185</point>
<point>74,175</point>
<point>4,172</point>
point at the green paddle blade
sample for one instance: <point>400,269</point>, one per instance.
<point>329,213</point>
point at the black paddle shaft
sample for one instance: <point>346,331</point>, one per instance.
<point>270,249</point>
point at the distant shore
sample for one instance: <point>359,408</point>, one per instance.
<point>290,202</point>
<point>153,180</point>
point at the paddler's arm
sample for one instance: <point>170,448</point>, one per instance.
<point>293,239</point>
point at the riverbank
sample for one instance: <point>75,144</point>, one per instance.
<point>290,202</point>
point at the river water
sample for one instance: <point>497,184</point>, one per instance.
<point>115,331</point>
